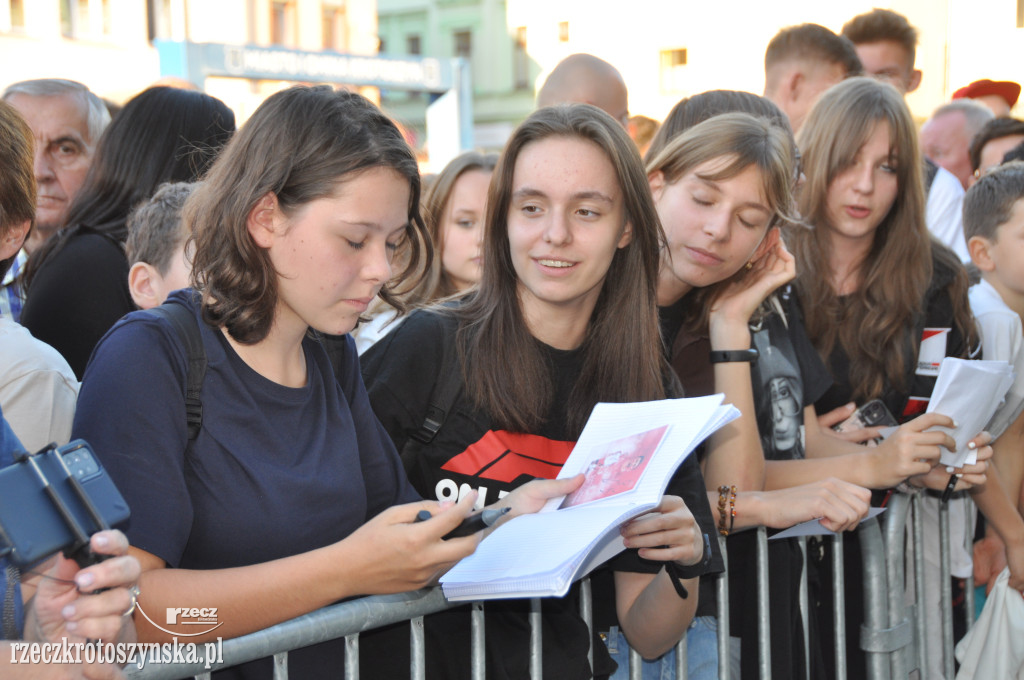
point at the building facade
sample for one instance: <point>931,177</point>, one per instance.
<point>109,44</point>
<point>670,49</point>
<point>665,49</point>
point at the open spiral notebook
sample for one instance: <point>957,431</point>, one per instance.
<point>628,453</point>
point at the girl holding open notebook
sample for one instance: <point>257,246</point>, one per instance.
<point>564,317</point>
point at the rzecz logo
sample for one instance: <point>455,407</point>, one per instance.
<point>206,617</point>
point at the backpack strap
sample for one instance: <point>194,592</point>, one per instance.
<point>446,391</point>
<point>184,322</point>
<point>442,399</point>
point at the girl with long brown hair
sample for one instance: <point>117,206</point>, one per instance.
<point>564,317</point>
<point>884,302</point>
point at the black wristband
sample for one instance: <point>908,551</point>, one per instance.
<point>731,355</point>
<point>676,572</point>
<point>672,569</point>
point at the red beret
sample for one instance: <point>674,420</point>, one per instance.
<point>980,88</point>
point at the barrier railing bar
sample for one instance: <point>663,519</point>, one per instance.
<point>764,633</point>
<point>417,648</point>
<point>969,601</point>
<point>895,523</point>
<point>839,605</point>
<point>919,591</point>
<point>329,623</point>
<point>636,665</point>
<point>352,657</point>
<point>805,606</point>
<point>893,634</point>
<point>970,519</point>
<point>722,596</point>
<point>875,601</point>
<point>477,652</point>
<point>536,644</point>
<point>281,666</point>
<point>946,598</point>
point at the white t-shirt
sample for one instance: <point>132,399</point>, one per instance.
<point>1001,338</point>
<point>383,321</point>
<point>944,213</point>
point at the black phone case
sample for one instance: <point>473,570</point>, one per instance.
<point>875,414</point>
<point>30,522</point>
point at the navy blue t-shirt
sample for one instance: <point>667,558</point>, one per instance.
<point>275,471</point>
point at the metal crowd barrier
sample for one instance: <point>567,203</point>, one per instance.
<point>892,634</point>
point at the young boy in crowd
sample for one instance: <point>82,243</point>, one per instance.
<point>156,246</point>
<point>994,229</point>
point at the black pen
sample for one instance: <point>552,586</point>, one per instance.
<point>470,525</point>
<point>950,485</point>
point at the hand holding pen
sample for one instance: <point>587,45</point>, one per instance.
<point>970,475</point>
<point>940,477</point>
<point>471,524</point>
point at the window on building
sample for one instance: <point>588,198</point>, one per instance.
<point>563,31</point>
<point>159,19</point>
<point>17,13</point>
<point>67,18</point>
<point>521,61</point>
<point>334,27</point>
<point>414,47</point>
<point>673,70</point>
<point>108,18</point>
<point>82,8</point>
<point>282,23</point>
<point>463,44</point>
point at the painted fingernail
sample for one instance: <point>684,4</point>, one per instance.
<point>70,626</point>
<point>102,540</point>
<point>68,611</point>
<point>84,580</point>
<point>972,445</point>
<point>950,469</point>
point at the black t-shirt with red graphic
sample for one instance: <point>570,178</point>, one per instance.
<point>401,373</point>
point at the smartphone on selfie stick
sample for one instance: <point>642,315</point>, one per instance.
<point>54,500</point>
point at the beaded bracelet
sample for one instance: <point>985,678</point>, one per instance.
<point>732,507</point>
<point>723,498</point>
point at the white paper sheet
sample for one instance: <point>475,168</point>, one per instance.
<point>969,392</point>
<point>813,527</point>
